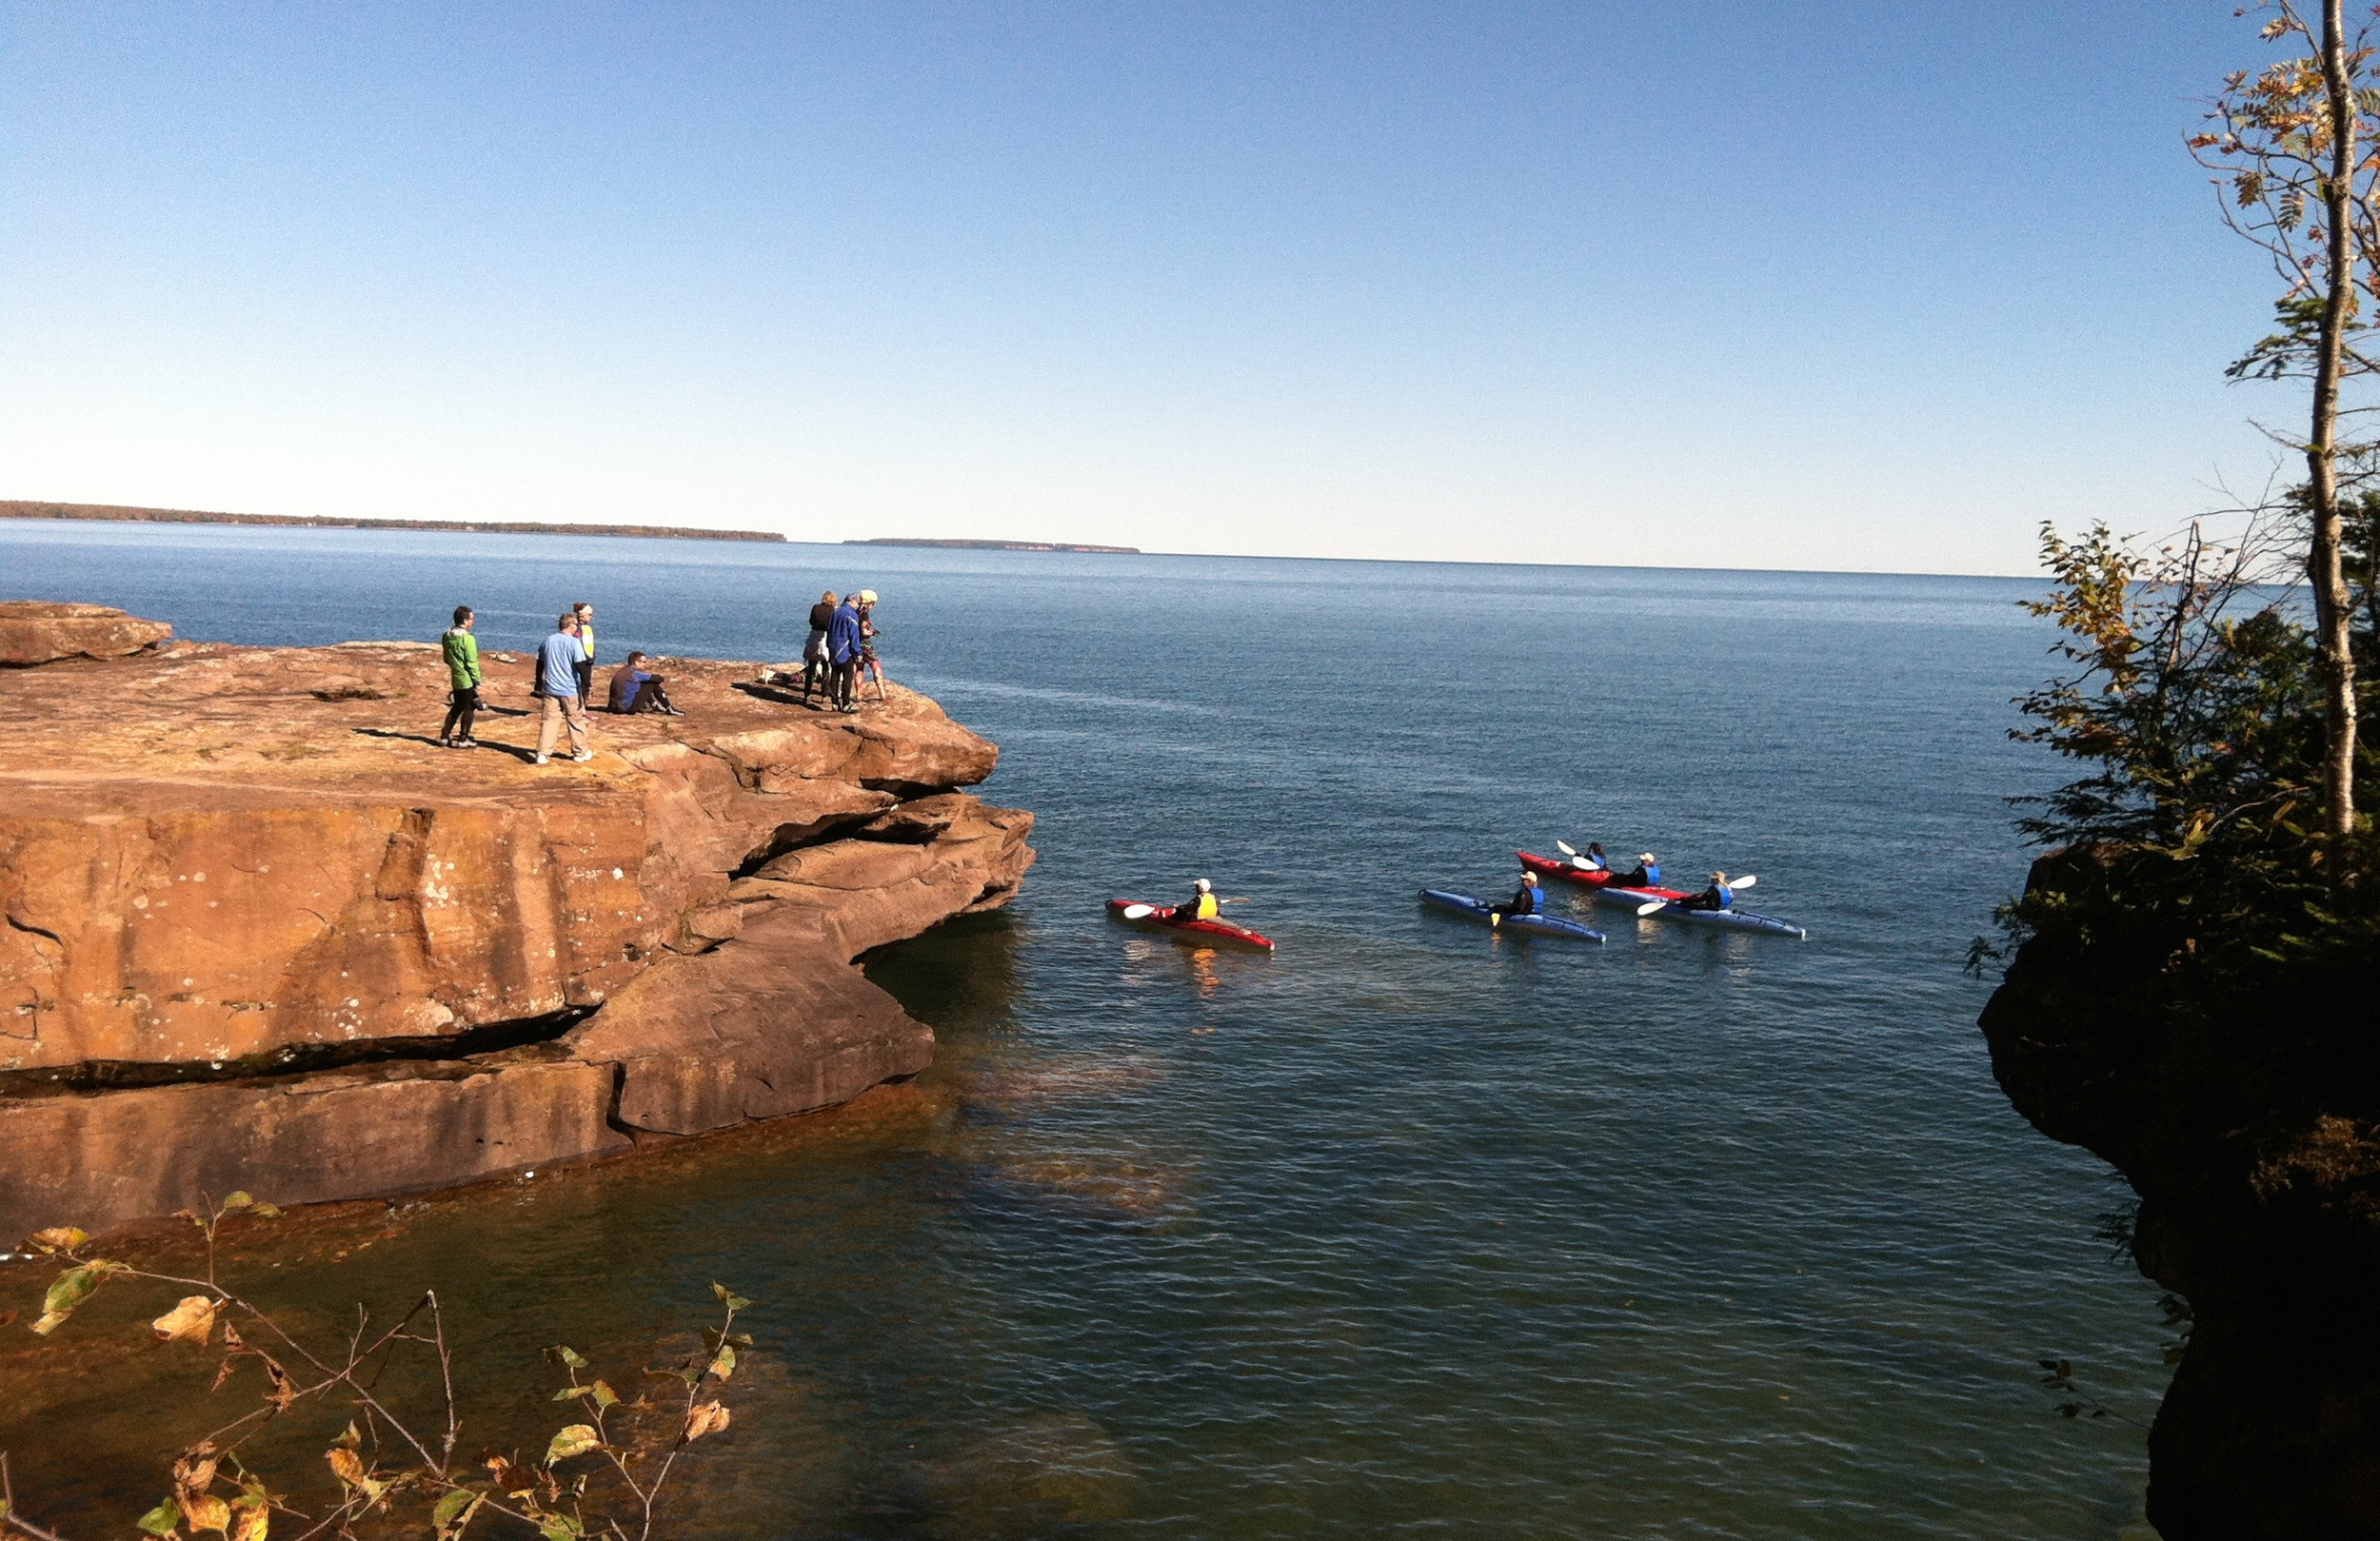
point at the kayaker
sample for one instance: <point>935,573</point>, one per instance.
<point>1717,896</point>
<point>1648,874</point>
<point>1528,899</point>
<point>1203,905</point>
<point>1593,859</point>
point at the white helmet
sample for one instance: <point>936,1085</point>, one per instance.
<point>1204,886</point>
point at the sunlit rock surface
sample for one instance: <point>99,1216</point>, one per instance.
<point>262,933</point>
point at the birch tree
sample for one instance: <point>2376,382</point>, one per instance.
<point>2294,144</point>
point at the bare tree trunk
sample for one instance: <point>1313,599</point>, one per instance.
<point>2332,607</point>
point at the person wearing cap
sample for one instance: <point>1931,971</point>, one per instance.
<point>1529,899</point>
<point>1648,874</point>
<point>1717,896</point>
<point>867,645</point>
<point>843,654</point>
<point>1203,905</point>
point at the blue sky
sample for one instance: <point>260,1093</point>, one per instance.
<point>1868,286</point>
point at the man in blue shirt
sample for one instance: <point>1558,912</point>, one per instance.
<point>558,660</point>
<point>843,654</point>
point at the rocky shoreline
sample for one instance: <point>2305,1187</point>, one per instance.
<point>262,933</point>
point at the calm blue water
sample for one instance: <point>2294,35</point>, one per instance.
<point>1409,1230</point>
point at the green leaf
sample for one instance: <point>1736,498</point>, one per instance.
<point>559,1528</point>
<point>266,1212</point>
<point>237,1200</point>
<point>568,1391</point>
<point>162,1519</point>
<point>454,1511</point>
<point>569,1357</point>
<point>723,1364</point>
<point>732,1300</point>
<point>575,1441</point>
<point>70,1289</point>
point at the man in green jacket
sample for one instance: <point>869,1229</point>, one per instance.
<point>461,650</point>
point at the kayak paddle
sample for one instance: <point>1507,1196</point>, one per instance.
<point>1138,912</point>
<point>1653,908</point>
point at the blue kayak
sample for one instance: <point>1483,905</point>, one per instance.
<point>1725,919</point>
<point>1532,925</point>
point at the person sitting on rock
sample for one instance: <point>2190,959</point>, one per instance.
<point>1717,896</point>
<point>1648,874</point>
<point>1202,904</point>
<point>1529,899</point>
<point>634,689</point>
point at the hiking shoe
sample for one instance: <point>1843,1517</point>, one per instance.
<point>541,759</point>
<point>584,754</point>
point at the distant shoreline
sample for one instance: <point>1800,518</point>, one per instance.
<point>1003,545</point>
<point>112,513</point>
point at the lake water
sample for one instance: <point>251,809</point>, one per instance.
<point>1409,1230</point>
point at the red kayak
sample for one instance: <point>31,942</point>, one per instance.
<point>1197,933</point>
<point>1552,866</point>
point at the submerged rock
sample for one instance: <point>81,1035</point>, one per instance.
<point>262,933</point>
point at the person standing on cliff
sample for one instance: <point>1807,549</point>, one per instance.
<point>558,660</point>
<point>585,664</point>
<point>814,667</point>
<point>843,654</point>
<point>461,651</point>
<point>867,645</point>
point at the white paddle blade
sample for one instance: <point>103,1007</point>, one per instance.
<point>1653,908</point>
<point>1744,881</point>
<point>1565,847</point>
<point>1138,912</point>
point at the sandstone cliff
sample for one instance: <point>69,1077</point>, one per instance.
<point>2250,1129</point>
<point>261,932</point>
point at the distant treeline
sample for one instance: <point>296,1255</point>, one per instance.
<point>18,509</point>
<point>1005,545</point>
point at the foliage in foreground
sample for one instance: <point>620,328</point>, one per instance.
<point>601,1474</point>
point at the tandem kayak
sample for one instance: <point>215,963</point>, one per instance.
<point>1533,925</point>
<point>1601,882</point>
<point>1198,933</point>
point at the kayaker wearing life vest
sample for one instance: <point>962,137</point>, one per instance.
<point>1717,896</point>
<point>1528,899</point>
<point>1648,874</point>
<point>1592,859</point>
<point>1203,905</point>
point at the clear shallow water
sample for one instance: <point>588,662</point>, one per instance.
<point>1409,1230</point>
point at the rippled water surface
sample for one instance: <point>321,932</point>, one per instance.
<point>1408,1230</point>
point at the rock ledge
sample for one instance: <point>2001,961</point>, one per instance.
<point>262,933</point>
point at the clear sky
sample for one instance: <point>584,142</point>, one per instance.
<point>1745,284</point>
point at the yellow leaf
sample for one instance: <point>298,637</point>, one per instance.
<point>192,1321</point>
<point>252,1524</point>
<point>57,1238</point>
<point>345,1464</point>
<point>575,1441</point>
<point>206,1512</point>
<point>709,1418</point>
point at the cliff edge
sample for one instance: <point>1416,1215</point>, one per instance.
<point>2250,1129</point>
<point>261,932</point>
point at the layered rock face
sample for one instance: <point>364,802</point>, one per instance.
<point>2251,1132</point>
<point>262,933</point>
<point>37,631</point>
